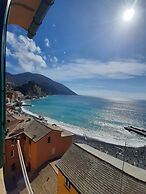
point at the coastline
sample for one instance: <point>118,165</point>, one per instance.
<point>132,155</point>
<point>101,136</point>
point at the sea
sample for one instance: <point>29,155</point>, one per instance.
<point>102,119</point>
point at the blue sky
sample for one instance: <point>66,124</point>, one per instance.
<point>86,46</point>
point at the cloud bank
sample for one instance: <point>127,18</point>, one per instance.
<point>26,52</point>
<point>30,58</point>
<point>87,69</point>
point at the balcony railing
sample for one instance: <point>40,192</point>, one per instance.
<point>2,184</point>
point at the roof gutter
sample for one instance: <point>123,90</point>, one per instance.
<point>39,16</point>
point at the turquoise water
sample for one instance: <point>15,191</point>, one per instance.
<point>95,117</point>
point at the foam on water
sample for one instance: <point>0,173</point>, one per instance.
<point>28,112</point>
<point>131,139</point>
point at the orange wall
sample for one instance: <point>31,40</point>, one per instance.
<point>37,153</point>
<point>61,188</point>
<point>29,152</point>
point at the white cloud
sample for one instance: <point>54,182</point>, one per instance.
<point>29,44</point>
<point>85,69</point>
<point>26,52</point>
<point>30,58</point>
<point>53,59</point>
<point>8,52</point>
<point>47,42</point>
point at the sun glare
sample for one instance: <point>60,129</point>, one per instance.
<point>128,15</point>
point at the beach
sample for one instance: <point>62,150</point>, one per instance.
<point>133,155</point>
<point>97,118</point>
<point>130,149</point>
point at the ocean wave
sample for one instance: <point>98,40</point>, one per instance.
<point>29,112</point>
<point>118,136</point>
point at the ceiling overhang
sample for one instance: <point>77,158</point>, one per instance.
<point>29,14</point>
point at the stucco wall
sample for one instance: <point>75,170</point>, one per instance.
<point>37,153</point>
<point>61,188</point>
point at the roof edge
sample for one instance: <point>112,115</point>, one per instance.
<point>133,171</point>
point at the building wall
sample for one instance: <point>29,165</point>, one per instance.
<point>37,153</point>
<point>11,174</point>
<point>29,152</point>
<point>61,187</point>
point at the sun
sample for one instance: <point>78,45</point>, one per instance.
<point>128,15</point>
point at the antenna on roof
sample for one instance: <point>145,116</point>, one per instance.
<point>123,166</point>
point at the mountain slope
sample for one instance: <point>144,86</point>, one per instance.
<point>46,84</point>
<point>30,89</point>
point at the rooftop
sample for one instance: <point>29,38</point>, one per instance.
<point>43,181</point>
<point>32,127</point>
<point>36,130</point>
<point>57,128</point>
<point>91,171</point>
<point>12,122</point>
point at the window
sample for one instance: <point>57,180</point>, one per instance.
<point>29,141</point>
<point>13,167</point>
<point>13,140</point>
<point>49,139</point>
<point>12,153</point>
<point>67,183</point>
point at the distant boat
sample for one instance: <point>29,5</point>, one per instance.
<point>136,130</point>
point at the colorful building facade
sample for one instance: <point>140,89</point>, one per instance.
<point>64,186</point>
<point>40,143</point>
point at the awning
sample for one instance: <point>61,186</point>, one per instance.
<point>29,14</point>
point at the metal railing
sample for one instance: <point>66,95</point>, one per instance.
<point>4,11</point>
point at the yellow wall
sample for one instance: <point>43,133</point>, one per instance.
<point>61,188</point>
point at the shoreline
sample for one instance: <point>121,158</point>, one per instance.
<point>133,155</point>
<point>80,131</point>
